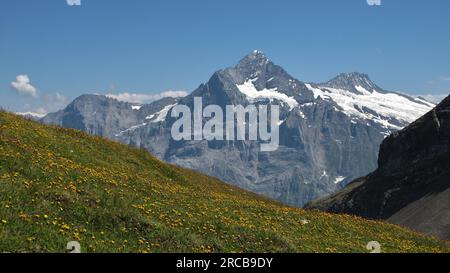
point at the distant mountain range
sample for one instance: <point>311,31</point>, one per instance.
<point>31,115</point>
<point>411,186</point>
<point>329,133</point>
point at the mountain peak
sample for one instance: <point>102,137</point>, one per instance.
<point>355,76</point>
<point>350,81</point>
<point>254,59</point>
<point>257,53</point>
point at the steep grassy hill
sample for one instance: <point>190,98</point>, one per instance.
<point>58,185</point>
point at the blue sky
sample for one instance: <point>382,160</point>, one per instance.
<point>147,47</point>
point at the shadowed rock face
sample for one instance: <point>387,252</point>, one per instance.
<point>322,146</point>
<point>411,186</point>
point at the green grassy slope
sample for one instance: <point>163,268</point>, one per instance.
<point>58,185</point>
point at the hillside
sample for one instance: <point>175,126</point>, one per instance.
<point>411,186</point>
<point>58,185</point>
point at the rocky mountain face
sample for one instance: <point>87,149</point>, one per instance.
<point>103,116</point>
<point>411,186</point>
<point>329,133</point>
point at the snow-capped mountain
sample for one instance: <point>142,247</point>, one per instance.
<point>358,97</point>
<point>329,133</point>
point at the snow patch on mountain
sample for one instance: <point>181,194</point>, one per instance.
<point>421,100</point>
<point>161,115</point>
<point>318,93</point>
<point>132,128</point>
<point>248,88</point>
<point>382,108</point>
<point>339,179</point>
<point>301,114</point>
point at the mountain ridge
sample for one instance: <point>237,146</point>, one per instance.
<point>328,136</point>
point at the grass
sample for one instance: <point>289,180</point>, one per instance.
<point>59,185</point>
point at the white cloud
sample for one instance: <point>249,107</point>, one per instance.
<point>436,98</point>
<point>23,86</point>
<point>55,101</point>
<point>374,2</point>
<point>59,97</point>
<point>73,2</point>
<point>41,111</point>
<point>44,105</point>
<point>146,98</point>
